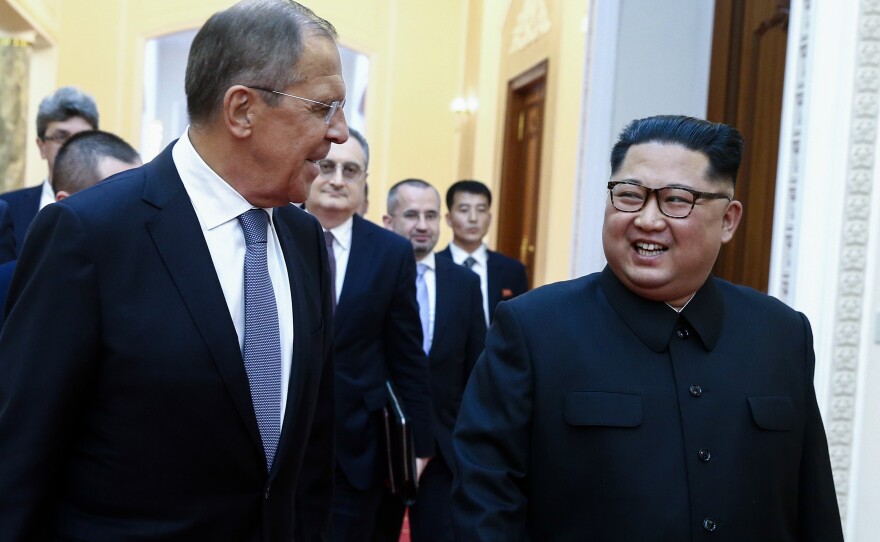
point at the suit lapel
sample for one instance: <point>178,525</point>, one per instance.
<point>359,258</point>
<point>179,240</point>
<point>443,295</point>
<point>494,289</point>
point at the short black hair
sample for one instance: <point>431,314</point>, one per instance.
<point>76,166</point>
<point>722,144</point>
<point>468,186</point>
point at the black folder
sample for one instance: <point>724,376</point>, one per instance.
<point>400,452</point>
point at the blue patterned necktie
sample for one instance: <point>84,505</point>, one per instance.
<point>424,306</point>
<point>469,262</point>
<point>331,258</point>
<point>262,341</point>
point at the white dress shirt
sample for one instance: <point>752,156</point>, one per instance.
<point>341,251</point>
<point>431,283</point>
<point>481,255</point>
<point>218,207</point>
<point>47,195</point>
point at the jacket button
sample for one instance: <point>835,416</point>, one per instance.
<point>682,333</point>
<point>696,390</point>
<point>266,493</point>
<point>709,525</point>
<point>705,455</point>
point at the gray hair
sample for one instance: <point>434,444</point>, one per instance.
<point>359,137</point>
<point>67,102</point>
<point>253,43</point>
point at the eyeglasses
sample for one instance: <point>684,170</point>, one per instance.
<point>334,106</point>
<point>673,201</point>
<point>60,137</point>
<point>350,170</point>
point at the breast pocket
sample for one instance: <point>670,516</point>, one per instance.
<point>600,408</point>
<point>774,413</point>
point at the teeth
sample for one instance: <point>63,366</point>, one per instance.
<point>649,249</point>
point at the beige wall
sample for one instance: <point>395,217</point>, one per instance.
<point>423,54</point>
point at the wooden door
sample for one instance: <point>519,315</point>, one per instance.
<point>745,90</point>
<point>521,167</point>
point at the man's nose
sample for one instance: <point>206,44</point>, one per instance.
<point>649,216</point>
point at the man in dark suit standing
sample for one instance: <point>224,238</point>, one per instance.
<point>67,112</point>
<point>378,337</point>
<point>650,401</point>
<point>454,327</point>
<point>166,369</point>
<point>469,215</point>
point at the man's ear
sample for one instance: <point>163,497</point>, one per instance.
<point>730,220</point>
<point>448,220</point>
<point>42,146</point>
<point>60,195</point>
<point>238,111</point>
<point>386,220</point>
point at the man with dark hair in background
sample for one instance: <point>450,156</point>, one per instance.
<point>65,113</point>
<point>454,329</point>
<point>166,367</point>
<point>650,401</point>
<point>377,338</point>
<point>469,214</point>
<point>84,160</point>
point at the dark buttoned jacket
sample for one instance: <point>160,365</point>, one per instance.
<point>505,277</point>
<point>595,414</point>
<point>24,204</point>
<point>7,234</point>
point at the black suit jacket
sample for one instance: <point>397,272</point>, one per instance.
<point>459,336</point>
<point>378,335</point>
<point>7,234</point>
<point>24,204</point>
<point>596,414</point>
<point>125,410</point>
<point>6,271</point>
<point>506,278</point>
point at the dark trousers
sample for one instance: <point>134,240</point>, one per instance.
<point>354,511</point>
<point>430,518</point>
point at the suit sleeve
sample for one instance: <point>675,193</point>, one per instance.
<point>818,514</point>
<point>407,363</point>
<point>48,349</point>
<point>491,439</point>
<point>314,491</point>
<point>7,234</point>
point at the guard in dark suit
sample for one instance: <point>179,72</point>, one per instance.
<point>378,337</point>
<point>469,215</point>
<point>7,234</point>
<point>451,310</point>
<point>65,113</point>
<point>650,401</point>
<point>141,397</point>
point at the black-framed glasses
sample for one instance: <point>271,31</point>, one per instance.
<point>333,106</point>
<point>673,201</point>
<point>350,170</point>
<point>59,138</point>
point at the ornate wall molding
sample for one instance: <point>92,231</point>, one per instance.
<point>852,260</point>
<point>532,22</point>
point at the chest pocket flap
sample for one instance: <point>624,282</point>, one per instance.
<point>775,413</point>
<point>603,409</point>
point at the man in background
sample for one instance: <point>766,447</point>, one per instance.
<point>84,160</point>
<point>67,112</point>
<point>166,368</point>
<point>650,401</point>
<point>454,329</point>
<point>501,278</point>
<point>377,337</point>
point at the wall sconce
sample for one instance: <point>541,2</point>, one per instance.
<point>464,107</point>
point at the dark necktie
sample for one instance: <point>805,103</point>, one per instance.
<point>328,239</point>
<point>469,262</point>
<point>262,341</point>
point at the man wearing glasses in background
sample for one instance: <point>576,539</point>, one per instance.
<point>650,401</point>
<point>67,112</point>
<point>377,337</point>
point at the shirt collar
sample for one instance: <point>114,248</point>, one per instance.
<point>342,233</point>
<point>213,199</point>
<point>654,322</point>
<point>459,254</point>
<point>429,261</point>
